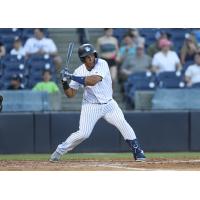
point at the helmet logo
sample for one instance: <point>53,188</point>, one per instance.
<point>87,49</point>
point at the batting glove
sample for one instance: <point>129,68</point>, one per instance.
<point>65,75</point>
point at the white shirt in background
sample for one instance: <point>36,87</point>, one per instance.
<point>193,71</point>
<point>19,52</point>
<point>34,45</point>
<point>165,62</point>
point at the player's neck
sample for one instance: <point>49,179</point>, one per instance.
<point>89,68</point>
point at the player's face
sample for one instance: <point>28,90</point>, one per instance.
<point>89,61</point>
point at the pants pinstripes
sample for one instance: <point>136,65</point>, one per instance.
<point>90,114</point>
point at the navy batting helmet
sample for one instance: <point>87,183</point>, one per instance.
<point>85,50</point>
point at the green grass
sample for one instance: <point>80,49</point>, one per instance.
<point>99,156</point>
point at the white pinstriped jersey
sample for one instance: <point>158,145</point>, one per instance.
<point>102,91</point>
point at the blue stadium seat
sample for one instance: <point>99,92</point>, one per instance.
<point>187,64</point>
<point>119,33</point>
<point>171,80</point>
<point>10,31</point>
<point>15,67</point>
<point>13,58</point>
<point>196,85</point>
<point>7,41</point>
<point>140,81</point>
<point>36,58</point>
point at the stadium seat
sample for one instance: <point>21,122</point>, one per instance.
<point>196,85</point>
<point>171,80</point>
<point>7,41</point>
<point>15,67</point>
<point>10,31</point>
<point>139,81</point>
<point>13,58</point>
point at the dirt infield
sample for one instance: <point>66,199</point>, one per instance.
<point>99,165</point>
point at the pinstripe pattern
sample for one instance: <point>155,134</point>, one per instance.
<point>91,111</point>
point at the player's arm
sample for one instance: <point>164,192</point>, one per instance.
<point>92,80</point>
<point>69,92</point>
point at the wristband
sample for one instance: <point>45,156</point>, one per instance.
<point>78,79</point>
<point>65,85</point>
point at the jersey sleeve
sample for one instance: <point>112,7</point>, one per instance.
<point>73,84</point>
<point>102,69</point>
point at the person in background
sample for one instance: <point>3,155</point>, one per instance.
<point>18,48</point>
<point>140,62</point>
<point>83,35</point>
<point>137,37</point>
<point>127,50</point>
<point>189,48</point>
<point>154,47</point>
<point>165,59</point>
<point>107,46</point>
<point>39,44</point>
<point>15,83</point>
<point>192,74</point>
<point>2,50</point>
<point>46,85</point>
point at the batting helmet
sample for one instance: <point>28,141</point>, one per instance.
<point>85,50</point>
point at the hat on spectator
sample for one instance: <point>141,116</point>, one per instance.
<point>161,33</point>
<point>164,42</point>
<point>16,77</point>
<point>188,36</point>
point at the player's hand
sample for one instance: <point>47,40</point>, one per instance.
<point>65,75</point>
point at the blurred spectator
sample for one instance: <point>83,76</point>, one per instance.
<point>165,59</point>
<point>189,48</point>
<point>137,37</point>
<point>41,45</point>
<point>46,85</point>
<point>2,49</point>
<point>138,63</point>
<point>18,48</point>
<point>107,46</point>
<point>82,35</point>
<point>192,74</point>
<point>15,83</point>
<point>128,49</point>
<point>154,48</point>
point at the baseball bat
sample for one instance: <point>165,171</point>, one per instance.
<point>69,53</point>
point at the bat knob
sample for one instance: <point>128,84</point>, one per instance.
<point>64,79</point>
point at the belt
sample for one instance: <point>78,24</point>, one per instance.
<point>97,102</point>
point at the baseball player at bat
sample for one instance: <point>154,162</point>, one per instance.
<point>94,76</point>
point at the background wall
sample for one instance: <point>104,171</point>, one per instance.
<point>42,132</point>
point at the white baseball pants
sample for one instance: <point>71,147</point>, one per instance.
<point>90,114</point>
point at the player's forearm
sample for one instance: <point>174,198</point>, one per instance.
<point>70,92</point>
<point>92,80</point>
